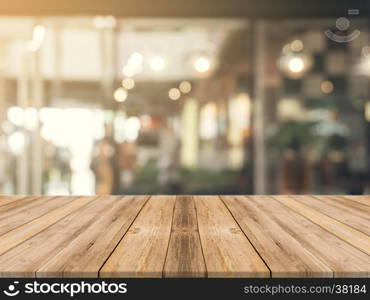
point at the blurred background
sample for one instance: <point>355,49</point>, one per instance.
<point>97,104</point>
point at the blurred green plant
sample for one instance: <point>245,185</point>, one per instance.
<point>317,137</point>
<point>294,135</point>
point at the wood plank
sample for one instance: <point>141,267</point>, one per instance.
<point>142,251</point>
<point>184,257</point>
<point>86,254</point>
<point>343,231</point>
<point>184,202</point>
<point>344,259</point>
<point>351,213</point>
<point>227,252</point>
<point>4,200</point>
<point>347,202</point>
<point>28,257</point>
<point>184,236</point>
<point>26,231</point>
<point>284,255</point>
<point>22,212</point>
<point>12,204</point>
<point>364,199</point>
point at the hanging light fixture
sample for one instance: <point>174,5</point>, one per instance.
<point>293,62</point>
<point>174,94</point>
<point>185,87</point>
<point>202,64</point>
<point>203,59</point>
<point>120,95</point>
<point>128,83</point>
<point>157,63</point>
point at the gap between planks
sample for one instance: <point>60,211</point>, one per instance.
<point>191,227</point>
<point>4,200</point>
<point>18,213</point>
<point>363,199</point>
<point>352,236</point>
<point>25,231</point>
<point>350,213</point>
<point>227,250</point>
<point>142,251</point>
<point>184,254</point>
<point>77,245</point>
<point>292,245</point>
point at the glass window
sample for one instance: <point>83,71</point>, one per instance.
<point>105,105</point>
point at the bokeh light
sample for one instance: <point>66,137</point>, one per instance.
<point>120,95</point>
<point>174,94</point>
<point>185,87</point>
<point>296,65</point>
<point>157,63</point>
<point>202,64</point>
<point>128,83</point>
<point>327,87</point>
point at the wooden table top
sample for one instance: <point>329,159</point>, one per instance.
<point>185,236</point>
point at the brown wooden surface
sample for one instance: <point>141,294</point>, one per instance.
<point>142,251</point>
<point>185,256</point>
<point>347,233</point>
<point>227,251</point>
<point>185,236</point>
<point>360,199</point>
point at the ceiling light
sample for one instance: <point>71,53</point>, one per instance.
<point>128,83</point>
<point>202,64</point>
<point>296,65</point>
<point>174,94</point>
<point>128,71</point>
<point>157,63</point>
<point>136,58</point>
<point>120,95</point>
<point>296,45</point>
<point>185,87</point>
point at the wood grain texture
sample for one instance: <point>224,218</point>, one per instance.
<point>12,204</point>
<point>365,199</point>
<point>23,211</point>
<point>25,259</point>
<point>351,213</point>
<point>227,252</point>
<point>4,200</point>
<point>342,258</point>
<point>184,257</point>
<point>26,231</point>
<point>185,236</point>
<point>352,236</point>
<point>85,254</point>
<point>284,255</point>
<point>142,251</point>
